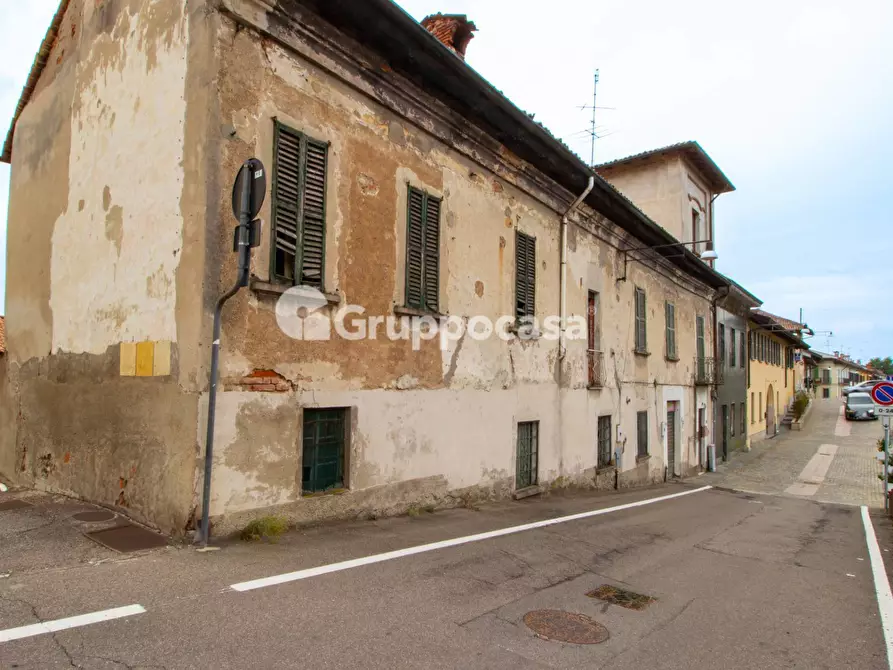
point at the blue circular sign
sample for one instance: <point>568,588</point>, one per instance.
<point>882,394</point>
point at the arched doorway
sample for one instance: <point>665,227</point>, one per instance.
<point>770,412</point>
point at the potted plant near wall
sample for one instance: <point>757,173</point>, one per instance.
<point>799,407</point>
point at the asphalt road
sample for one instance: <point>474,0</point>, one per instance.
<point>741,581</point>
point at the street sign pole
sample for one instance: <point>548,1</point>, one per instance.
<point>886,461</point>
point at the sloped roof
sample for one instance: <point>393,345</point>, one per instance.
<point>783,322</point>
<point>691,150</point>
<point>40,62</point>
<point>768,323</point>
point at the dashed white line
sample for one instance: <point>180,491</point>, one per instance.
<point>434,546</point>
<point>45,627</point>
<point>881,584</point>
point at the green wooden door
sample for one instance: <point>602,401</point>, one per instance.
<point>323,464</point>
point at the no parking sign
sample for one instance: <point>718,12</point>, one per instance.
<point>882,394</point>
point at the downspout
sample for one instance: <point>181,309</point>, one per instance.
<point>562,345</point>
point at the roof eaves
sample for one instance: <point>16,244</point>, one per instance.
<point>40,62</point>
<point>693,150</point>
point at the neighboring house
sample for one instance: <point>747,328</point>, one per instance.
<point>770,373</point>
<point>676,186</point>
<point>402,182</point>
<point>731,396</point>
<point>835,371</point>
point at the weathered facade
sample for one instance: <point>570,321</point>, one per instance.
<point>731,396</point>
<point>124,154</point>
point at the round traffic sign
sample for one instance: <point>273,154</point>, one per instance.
<point>882,394</point>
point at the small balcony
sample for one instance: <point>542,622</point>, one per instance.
<point>596,365</point>
<point>708,371</point>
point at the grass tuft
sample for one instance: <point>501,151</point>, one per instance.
<point>265,528</point>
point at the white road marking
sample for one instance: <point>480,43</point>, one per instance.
<point>814,473</point>
<point>881,584</point>
<point>434,546</point>
<point>72,622</point>
<point>842,428</point>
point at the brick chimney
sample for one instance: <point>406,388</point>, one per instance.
<point>454,30</point>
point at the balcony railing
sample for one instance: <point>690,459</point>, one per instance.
<point>708,371</point>
<point>596,365</point>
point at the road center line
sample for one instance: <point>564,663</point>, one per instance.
<point>71,622</point>
<point>443,544</point>
<point>881,584</point>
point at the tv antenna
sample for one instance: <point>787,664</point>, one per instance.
<point>593,134</point>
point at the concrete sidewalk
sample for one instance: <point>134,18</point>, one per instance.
<point>776,466</point>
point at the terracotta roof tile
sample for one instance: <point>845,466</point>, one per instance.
<point>781,321</point>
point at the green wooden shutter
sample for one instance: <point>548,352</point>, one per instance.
<point>286,202</point>
<point>299,208</point>
<point>415,242</point>
<point>641,329</point>
<point>525,275</point>
<point>432,254</point>
<point>313,230</point>
<point>671,330</point>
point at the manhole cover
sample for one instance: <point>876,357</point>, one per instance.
<point>622,597</point>
<point>128,538</point>
<point>94,516</point>
<point>15,503</point>
<point>560,626</point>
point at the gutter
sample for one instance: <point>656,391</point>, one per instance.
<point>562,343</point>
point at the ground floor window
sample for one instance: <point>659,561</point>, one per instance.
<point>753,409</point>
<point>324,439</point>
<point>826,393</point>
<point>528,454</point>
<point>604,441</point>
<point>743,419</point>
<point>732,421</point>
<point>642,434</point>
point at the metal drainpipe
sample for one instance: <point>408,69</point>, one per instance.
<point>562,345</point>
<point>722,292</point>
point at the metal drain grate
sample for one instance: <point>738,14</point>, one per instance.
<point>94,516</point>
<point>128,538</point>
<point>560,626</point>
<point>622,597</point>
<point>15,503</point>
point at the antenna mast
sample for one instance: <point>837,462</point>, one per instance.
<point>592,129</point>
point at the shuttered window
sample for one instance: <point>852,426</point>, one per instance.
<point>733,348</point>
<point>671,331</point>
<point>722,343</point>
<point>641,434</point>
<point>299,208</point>
<point>525,275</point>
<point>423,251</point>
<point>641,324</point>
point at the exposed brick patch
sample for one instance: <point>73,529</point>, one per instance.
<point>259,381</point>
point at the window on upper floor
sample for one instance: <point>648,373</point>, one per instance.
<point>641,322</point>
<point>299,208</point>
<point>670,314</point>
<point>722,344</point>
<point>733,346</point>
<point>423,251</point>
<point>525,276</point>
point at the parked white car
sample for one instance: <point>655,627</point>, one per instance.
<point>863,387</point>
<point>859,406</point>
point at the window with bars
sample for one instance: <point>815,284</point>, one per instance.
<point>604,441</point>
<point>641,434</point>
<point>670,312</point>
<point>528,454</point>
<point>323,450</point>
<point>423,250</point>
<point>525,276</point>
<point>733,348</point>
<point>299,208</point>
<point>641,343</point>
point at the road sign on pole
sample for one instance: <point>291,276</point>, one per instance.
<point>882,394</point>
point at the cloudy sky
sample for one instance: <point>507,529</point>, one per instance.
<point>793,99</point>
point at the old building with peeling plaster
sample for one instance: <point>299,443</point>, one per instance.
<point>136,118</point>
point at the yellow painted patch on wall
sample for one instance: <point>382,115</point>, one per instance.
<point>161,366</point>
<point>145,359</point>
<point>128,359</point>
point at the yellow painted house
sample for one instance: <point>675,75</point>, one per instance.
<point>770,374</point>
